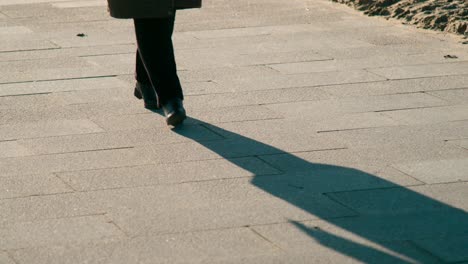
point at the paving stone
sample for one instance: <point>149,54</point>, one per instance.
<point>13,149</point>
<point>447,198</point>
<point>117,139</point>
<point>397,86</point>
<point>155,120</point>
<point>50,69</point>
<point>361,63</point>
<point>19,43</point>
<point>74,4</point>
<point>284,136</point>
<point>57,231</point>
<point>428,70</point>
<point>4,258</point>
<point>324,109</point>
<point>257,97</point>
<point>166,173</point>
<point>213,205</point>
<point>28,185</point>
<point>372,163</point>
<point>47,129</point>
<point>462,143</point>
<point>66,52</point>
<point>116,63</point>
<point>14,30</point>
<point>414,135</point>
<point>59,86</point>
<point>429,115</point>
<point>262,78</point>
<point>197,247</point>
<point>330,243</point>
<point>362,52</point>
<point>76,161</point>
<point>40,114</point>
<point>437,171</point>
<point>91,252</point>
<point>354,121</point>
<point>38,13</point>
<point>449,249</point>
<point>23,2</point>
<point>38,208</point>
<point>457,96</point>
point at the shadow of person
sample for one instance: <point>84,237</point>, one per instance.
<point>380,212</point>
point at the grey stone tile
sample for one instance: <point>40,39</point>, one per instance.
<point>116,139</point>
<point>66,52</point>
<point>29,185</point>
<point>196,247</point>
<point>56,231</point>
<point>60,86</point>
<point>418,71</point>
<point>13,149</point>
<point>50,69</point>
<point>17,38</point>
<point>440,198</point>
<point>411,226</point>
<point>380,61</point>
<point>462,143</point>
<point>91,252</point>
<point>75,4</point>
<point>330,243</point>
<point>214,205</point>
<point>4,258</point>
<point>284,136</point>
<point>414,135</point>
<point>38,208</point>
<point>257,97</point>
<point>77,161</point>
<point>197,116</point>
<point>325,109</point>
<point>457,96</point>
<point>263,78</point>
<point>449,249</point>
<point>373,161</point>
<point>397,86</point>
<point>437,171</point>
<point>40,114</point>
<point>224,57</point>
<point>299,80</point>
<point>166,173</point>
<point>429,115</point>
<point>354,121</point>
<point>117,63</point>
<point>47,129</point>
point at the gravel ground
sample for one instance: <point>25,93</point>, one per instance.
<point>444,15</point>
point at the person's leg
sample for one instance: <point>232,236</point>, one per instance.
<point>154,39</point>
<point>141,75</point>
<point>143,87</point>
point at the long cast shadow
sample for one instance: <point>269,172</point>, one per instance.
<point>406,216</point>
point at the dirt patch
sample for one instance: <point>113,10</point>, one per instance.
<point>444,15</point>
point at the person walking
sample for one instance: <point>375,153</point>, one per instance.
<point>157,82</point>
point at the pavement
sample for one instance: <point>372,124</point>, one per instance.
<point>316,135</point>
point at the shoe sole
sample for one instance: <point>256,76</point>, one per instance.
<point>176,119</point>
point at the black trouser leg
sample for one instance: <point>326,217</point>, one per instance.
<point>155,57</point>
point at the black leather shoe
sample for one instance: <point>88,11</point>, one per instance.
<point>146,92</point>
<point>174,112</point>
